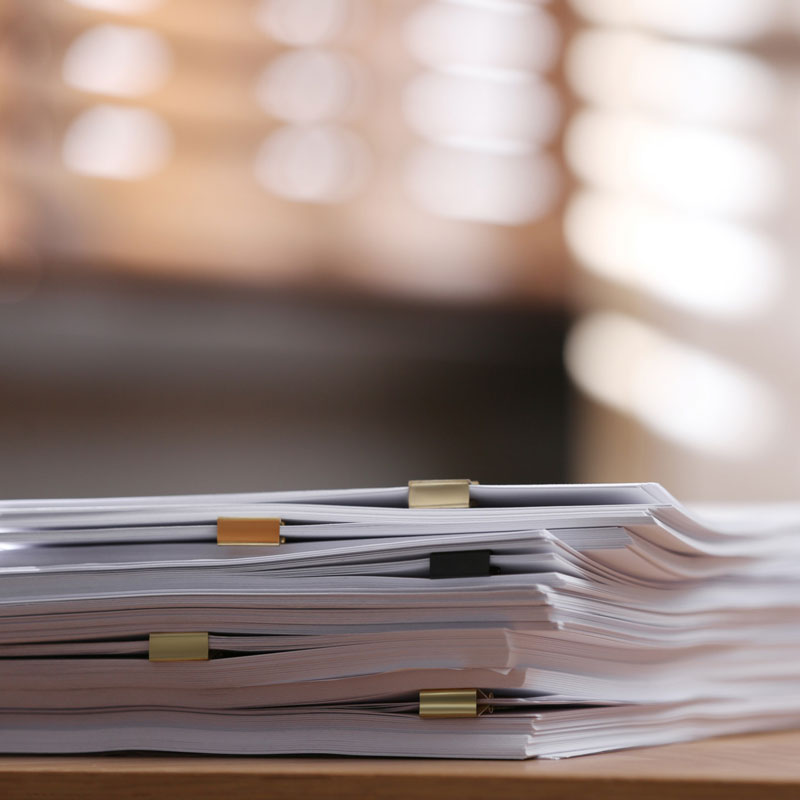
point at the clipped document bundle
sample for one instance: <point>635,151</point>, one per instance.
<point>443,619</point>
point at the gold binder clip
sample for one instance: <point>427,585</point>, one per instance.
<point>453,703</point>
<point>439,494</point>
<point>178,647</point>
<point>249,531</point>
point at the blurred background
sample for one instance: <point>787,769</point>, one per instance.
<point>265,244</point>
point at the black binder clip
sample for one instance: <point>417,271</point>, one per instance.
<point>460,564</point>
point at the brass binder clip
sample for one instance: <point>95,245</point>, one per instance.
<point>453,703</point>
<point>249,531</point>
<point>439,494</point>
<point>178,647</point>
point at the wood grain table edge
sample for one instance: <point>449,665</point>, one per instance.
<point>735,768</point>
<point>251,787</point>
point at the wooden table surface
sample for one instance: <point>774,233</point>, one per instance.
<point>734,768</point>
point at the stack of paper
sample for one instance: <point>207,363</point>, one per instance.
<point>532,621</point>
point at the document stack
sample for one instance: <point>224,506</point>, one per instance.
<point>440,619</point>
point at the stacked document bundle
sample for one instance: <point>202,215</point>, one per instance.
<point>442,619</point>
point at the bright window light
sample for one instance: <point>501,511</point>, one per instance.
<point>108,141</point>
<point>117,60</point>
<point>499,35</point>
<point>483,112</point>
<point>681,393</point>
<point>118,6</point>
<point>308,85</point>
<point>313,164</point>
<point>625,71</point>
<point>723,20</point>
<point>303,22</point>
<point>482,187</point>
<point>705,266</point>
<point>695,169</point>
